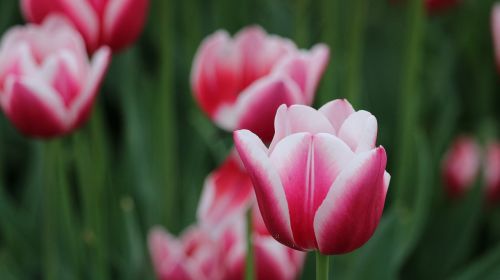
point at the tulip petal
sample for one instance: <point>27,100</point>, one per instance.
<point>308,165</point>
<point>123,22</point>
<point>298,118</point>
<point>495,28</point>
<point>34,107</point>
<point>81,108</point>
<point>215,76</point>
<point>305,68</point>
<point>85,19</point>
<point>37,10</point>
<point>337,111</point>
<point>359,131</point>
<point>352,208</point>
<point>257,106</point>
<point>272,260</point>
<point>227,192</point>
<point>267,184</point>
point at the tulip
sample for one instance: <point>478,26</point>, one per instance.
<point>241,82</point>
<point>47,86</point>
<point>194,256</point>
<point>227,192</point>
<point>115,23</point>
<point>492,172</point>
<point>460,166</point>
<point>321,185</point>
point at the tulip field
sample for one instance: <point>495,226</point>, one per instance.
<point>241,140</point>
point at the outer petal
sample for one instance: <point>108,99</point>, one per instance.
<point>305,68</point>
<point>227,192</point>
<point>260,52</point>
<point>352,209</point>
<point>215,75</point>
<point>308,165</point>
<point>80,109</point>
<point>298,118</point>
<point>34,108</point>
<point>256,107</point>
<point>337,111</point>
<point>123,22</point>
<point>359,131</point>
<point>85,19</point>
<point>268,187</point>
<point>495,29</point>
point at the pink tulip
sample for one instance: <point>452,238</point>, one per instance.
<point>195,256</point>
<point>227,192</point>
<point>460,166</point>
<point>492,172</point>
<point>495,29</point>
<point>47,83</point>
<point>115,23</point>
<point>240,82</point>
<point>322,184</point>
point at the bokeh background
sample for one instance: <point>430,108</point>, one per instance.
<point>81,207</point>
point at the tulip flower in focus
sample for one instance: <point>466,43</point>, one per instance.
<point>495,30</point>
<point>47,83</point>
<point>114,23</point>
<point>321,185</point>
<point>492,172</point>
<point>228,191</point>
<point>194,256</point>
<point>460,166</point>
<point>240,82</point>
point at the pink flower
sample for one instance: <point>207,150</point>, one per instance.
<point>228,191</point>
<point>194,256</point>
<point>240,82</point>
<point>460,166</point>
<point>115,23</point>
<point>47,83</point>
<point>492,172</point>
<point>322,184</point>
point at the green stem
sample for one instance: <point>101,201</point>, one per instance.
<point>249,264</point>
<point>322,266</point>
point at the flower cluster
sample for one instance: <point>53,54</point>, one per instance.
<point>47,87</point>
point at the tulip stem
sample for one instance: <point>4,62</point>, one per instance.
<point>249,264</point>
<point>322,266</point>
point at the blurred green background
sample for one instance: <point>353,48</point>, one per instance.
<point>80,207</point>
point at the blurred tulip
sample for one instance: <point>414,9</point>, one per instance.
<point>272,260</point>
<point>227,192</point>
<point>47,84</point>
<point>240,82</point>
<point>492,172</point>
<point>495,30</point>
<point>322,184</point>
<point>433,6</point>
<point>115,23</point>
<point>195,256</point>
<point>460,166</point>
